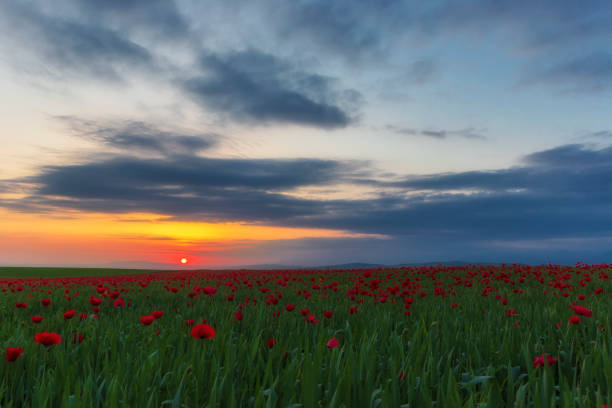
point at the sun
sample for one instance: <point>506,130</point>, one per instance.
<point>183,261</point>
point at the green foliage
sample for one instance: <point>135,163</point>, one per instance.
<point>52,272</point>
<point>472,355</point>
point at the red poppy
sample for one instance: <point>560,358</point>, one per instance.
<point>36,319</point>
<point>147,320</point>
<point>45,302</point>
<point>511,312</point>
<point>270,342</point>
<point>77,338</point>
<point>21,305</point>
<point>312,319</point>
<point>574,320</point>
<point>304,312</point>
<point>238,316</point>
<point>209,290</point>
<point>118,303</point>
<point>189,322</point>
<point>47,339</point>
<point>333,343</point>
<point>83,316</point>
<point>328,314</point>
<point>581,310</point>
<point>13,353</point>
<point>202,331</point>
<point>94,301</point>
<point>290,307</point>
<point>69,314</point>
<point>157,314</point>
<point>540,361</point>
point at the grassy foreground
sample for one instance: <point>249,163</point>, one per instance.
<point>406,337</point>
<point>51,272</point>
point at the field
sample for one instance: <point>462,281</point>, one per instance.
<point>470,336</point>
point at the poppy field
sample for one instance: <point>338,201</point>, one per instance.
<point>431,336</point>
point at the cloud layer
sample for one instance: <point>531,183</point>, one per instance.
<point>64,47</point>
<point>138,137</point>
<point>552,194</point>
<point>258,87</point>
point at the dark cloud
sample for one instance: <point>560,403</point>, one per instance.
<point>566,170</point>
<point>561,193</point>
<point>97,40</point>
<point>258,87</point>
<point>139,137</point>
<point>468,133</point>
<point>72,47</point>
<point>569,156</point>
<point>478,217</point>
<point>187,186</point>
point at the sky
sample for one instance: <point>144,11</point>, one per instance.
<point>309,132</point>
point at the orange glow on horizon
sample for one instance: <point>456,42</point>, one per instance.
<point>95,239</point>
<point>153,226</point>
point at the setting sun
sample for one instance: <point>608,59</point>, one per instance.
<point>183,260</point>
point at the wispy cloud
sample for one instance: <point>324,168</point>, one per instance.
<point>467,133</point>
<point>61,47</point>
<point>599,134</point>
<point>134,137</point>
<point>160,18</point>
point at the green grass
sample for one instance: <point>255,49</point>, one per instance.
<point>473,355</point>
<point>49,272</point>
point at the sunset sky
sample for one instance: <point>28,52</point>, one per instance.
<point>136,133</point>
